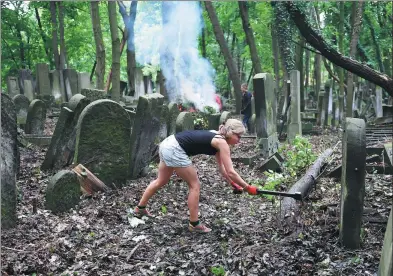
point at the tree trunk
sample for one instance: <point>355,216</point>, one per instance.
<point>376,45</point>
<point>243,6</point>
<point>55,42</point>
<point>43,36</point>
<point>276,61</point>
<point>341,94</point>
<point>307,62</point>
<point>317,41</point>
<point>356,27</point>
<point>227,55</point>
<point>99,42</point>
<point>63,51</point>
<point>299,67</point>
<point>129,21</point>
<point>115,95</point>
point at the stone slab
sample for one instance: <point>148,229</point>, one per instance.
<point>268,146</point>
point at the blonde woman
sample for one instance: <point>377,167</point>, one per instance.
<point>174,156</point>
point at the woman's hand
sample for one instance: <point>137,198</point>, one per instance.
<point>251,190</point>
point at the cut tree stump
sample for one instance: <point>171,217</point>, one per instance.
<point>88,181</point>
<point>304,185</point>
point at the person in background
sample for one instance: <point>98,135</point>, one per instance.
<point>246,105</point>
<point>174,154</point>
<point>218,101</point>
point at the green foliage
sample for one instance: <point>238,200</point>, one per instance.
<point>200,120</point>
<point>164,210</point>
<point>297,155</point>
<point>209,110</point>
<point>151,70</point>
<point>218,270</point>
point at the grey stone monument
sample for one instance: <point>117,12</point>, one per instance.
<point>295,125</point>
<point>12,86</point>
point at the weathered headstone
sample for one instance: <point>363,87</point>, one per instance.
<point>184,121</point>
<point>325,103</point>
<point>265,106</point>
<point>63,192</point>
<point>22,104</point>
<point>321,114</point>
<point>56,88</point>
<point>252,123</point>
<point>225,115</point>
<point>334,113</point>
<point>36,116</point>
<point>26,75</point>
<point>93,94</point>
<point>84,81</point>
<point>43,82</point>
<point>252,105</point>
<point>173,113</point>
<point>12,86</point>
<point>145,132</point>
<point>103,141</point>
<point>163,131</point>
<point>386,262</point>
<point>295,125</point>
<point>9,165</point>
<point>378,103</point>
<point>352,181</point>
<point>213,121</point>
<point>28,89</point>
<point>71,82</point>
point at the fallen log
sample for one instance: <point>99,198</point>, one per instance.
<point>88,181</point>
<point>304,185</point>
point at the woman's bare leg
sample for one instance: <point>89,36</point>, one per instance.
<point>189,175</point>
<point>164,174</point>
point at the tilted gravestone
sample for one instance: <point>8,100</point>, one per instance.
<point>163,131</point>
<point>145,132</point>
<point>295,125</point>
<point>93,94</point>
<point>352,182</point>
<point>63,192</point>
<point>71,82</point>
<point>36,116</point>
<point>173,113</point>
<point>213,121</point>
<point>22,104</point>
<point>225,115</point>
<point>103,141</point>
<point>184,121</point>
<point>12,86</point>
<point>265,106</point>
<point>9,162</point>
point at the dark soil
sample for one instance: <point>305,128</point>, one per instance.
<point>96,238</point>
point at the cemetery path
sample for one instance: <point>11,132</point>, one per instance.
<point>97,238</point>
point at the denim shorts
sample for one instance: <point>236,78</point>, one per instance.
<point>172,154</point>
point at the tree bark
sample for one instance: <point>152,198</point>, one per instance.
<point>376,45</point>
<point>115,76</point>
<point>307,62</point>
<point>43,37</point>
<point>299,67</point>
<point>63,50</point>
<point>227,55</point>
<point>356,27</point>
<point>276,61</point>
<point>317,41</point>
<point>99,42</point>
<point>243,7</point>
<point>55,42</point>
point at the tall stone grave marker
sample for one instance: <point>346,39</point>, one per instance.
<point>163,131</point>
<point>71,82</point>
<point>378,102</point>
<point>26,75</point>
<point>265,106</point>
<point>352,182</point>
<point>56,87</point>
<point>43,82</point>
<point>22,104</point>
<point>12,86</point>
<point>325,103</point>
<point>295,125</point>
<point>36,116</point>
<point>184,121</point>
<point>103,141</point>
<point>145,132</point>
<point>9,151</point>
<point>28,89</point>
<point>84,81</point>
<point>173,113</point>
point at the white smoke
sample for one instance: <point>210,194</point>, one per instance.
<point>174,46</point>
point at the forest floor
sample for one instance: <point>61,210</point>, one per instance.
<point>99,237</point>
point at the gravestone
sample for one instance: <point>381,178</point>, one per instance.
<point>325,103</point>
<point>225,115</point>
<point>63,192</point>
<point>352,181</point>
<point>103,141</point>
<point>84,81</point>
<point>334,113</point>
<point>386,262</point>
<point>378,102</point>
<point>295,125</point>
<point>145,132</point>
<point>71,82</point>
<point>28,89</point>
<point>173,113</point>
<point>9,162</point>
<point>12,86</point>
<point>163,131</point>
<point>265,106</point>
<point>22,104</point>
<point>213,121</point>
<point>252,123</point>
<point>139,84</point>
<point>43,82</point>
<point>184,121</point>
<point>36,116</point>
<point>26,75</point>
<point>321,114</point>
<point>252,105</point>
<point>56,88</point>
<point>93,94</point>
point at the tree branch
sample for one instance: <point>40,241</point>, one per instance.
<point>12,54</point>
